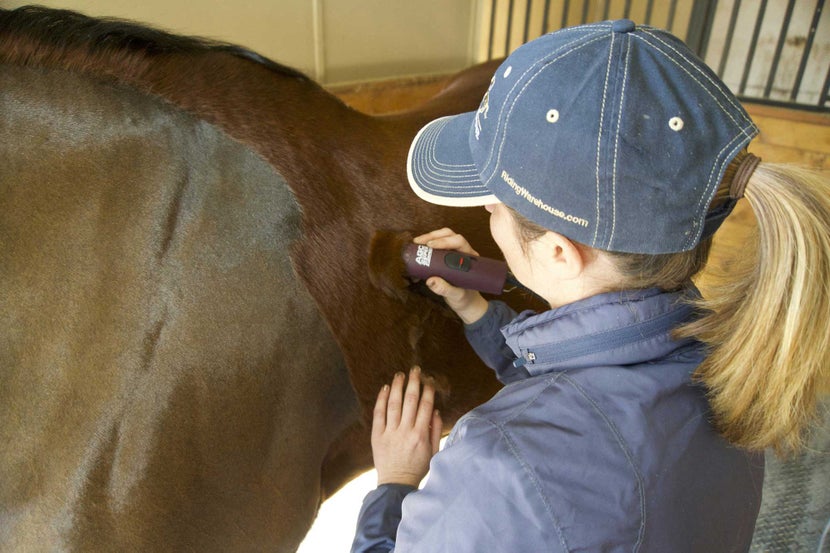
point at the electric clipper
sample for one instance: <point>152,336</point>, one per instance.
<point>459,269</point>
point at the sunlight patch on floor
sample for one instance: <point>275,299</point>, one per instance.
<point>333,531</point>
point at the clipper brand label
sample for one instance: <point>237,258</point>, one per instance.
<point>423,256</point>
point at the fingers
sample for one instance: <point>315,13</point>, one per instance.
<point>411,407</point>
<point>393,407</point>
<point>406,430</point>
<point>469,305</point>
<point>379,414</point>
<point>434,235</point>
<point>426,405</point>
<point>411,398</point>
<point>445,239</point>
<point>444,289</point>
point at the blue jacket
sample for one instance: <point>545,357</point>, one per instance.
<point>600,441</point>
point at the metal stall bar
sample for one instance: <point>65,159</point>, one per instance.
<point>730,34</point>
<point>753,44</point>
<point>565,10</point>
<point>672,10</point>
<point>545,18</point>
<point>782,38</point>
<point>649,9</point>
<point>492,28</point>
<point>701,21</point>
<point>808,47</point>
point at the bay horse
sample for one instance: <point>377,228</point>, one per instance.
<point>199,292</point>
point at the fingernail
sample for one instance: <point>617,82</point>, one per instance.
<point>385,388</point>
<point>416,369</point>
<point>399,375</point>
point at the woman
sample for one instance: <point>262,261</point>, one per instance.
<point>635,413</point>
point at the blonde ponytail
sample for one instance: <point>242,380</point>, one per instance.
<point>767,323</point>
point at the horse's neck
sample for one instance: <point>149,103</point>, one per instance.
<point>280,116</point>
<point>290,121</point>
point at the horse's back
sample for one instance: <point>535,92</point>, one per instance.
<point>161,364</point>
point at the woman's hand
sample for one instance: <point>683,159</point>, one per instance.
<point>406,430</point>
<point>469,305</point>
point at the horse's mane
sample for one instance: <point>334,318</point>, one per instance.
<point>66,30</point>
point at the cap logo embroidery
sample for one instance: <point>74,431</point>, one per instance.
<point>522,192</point>
<point>484,107</point>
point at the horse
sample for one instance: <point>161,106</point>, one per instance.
<point>200,287</point>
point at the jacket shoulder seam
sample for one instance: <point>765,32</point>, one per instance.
<point>514,451</point>
<point>628,456</point>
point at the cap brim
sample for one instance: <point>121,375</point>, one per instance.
<point>440,166</point>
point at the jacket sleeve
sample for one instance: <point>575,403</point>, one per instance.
<point>488,342</point>
<point>380,515</point>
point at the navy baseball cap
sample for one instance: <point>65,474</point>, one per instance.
<point>613,134</point>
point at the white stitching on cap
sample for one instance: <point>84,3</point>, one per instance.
<point>426,167</point>
<point>629,457</point>
<point>698,70</point>
<point>599,131</point>
<point>433,133</point>
<point>423,190</point>
<point>724,159</point>
<point>546,61</point>
<point>747,129</point>
<point>616,151</point>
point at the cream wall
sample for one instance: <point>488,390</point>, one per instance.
<point>334,41</point>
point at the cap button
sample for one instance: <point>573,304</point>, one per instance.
<point>623,26</point>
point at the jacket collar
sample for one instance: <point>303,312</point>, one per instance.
<point>616,328</point>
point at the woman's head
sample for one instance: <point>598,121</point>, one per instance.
<point>611,134</point>
<point>522,242</point>
<point>670,272</point>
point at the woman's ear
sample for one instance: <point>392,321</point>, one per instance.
<point>560,256</point>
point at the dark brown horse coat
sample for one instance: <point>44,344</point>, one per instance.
<point>191,336</point>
